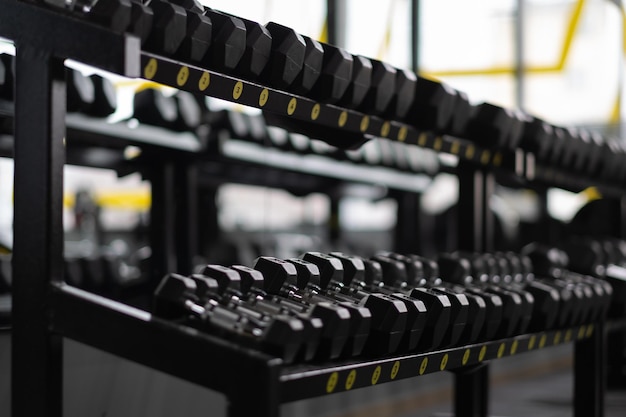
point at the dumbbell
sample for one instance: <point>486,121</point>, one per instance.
<point>588,257</point>
<point>93,95</point>
<point>414,268</point>
<point>354,274</point>
<point>324,275</point>
<point>240,289</point>
<point>152,107</point>
<point>477,305</point>
<point>287,56</point>
<point>335,76</point>
<point>7,78</point>
<point>548,265</point>
<point>508,304</point>
<point>360,82</point>
<point>175,299</point>
<point>342,331</point>
<point>461,113</point>
<point>311,67</point>
<point>389,276</point>
<point>433,105</point>
<point>381,90</point>
<point>495,127</point>
<point>403,95</point>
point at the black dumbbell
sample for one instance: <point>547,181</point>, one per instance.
<point>240,289</point>
<point>113,14</point>
<point>354,273</point>
<point>311,67</point>
<point>433,105</point>
<point>403,95</point>
<point>495,127</point>
<point>175,299</point>
<point>382,88</point>
<point>388,315</point>
<point>388,275</point>
<point>335,77</point>
<point>459,317</point>
<point>287,56</point>
<point>6,77</point>
<point>359,84</point>
<point>280,279</point>
<point>152,107</point>
<point>462,111</point>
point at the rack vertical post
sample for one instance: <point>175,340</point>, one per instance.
<point>475,233</point>
<point>39,156</point>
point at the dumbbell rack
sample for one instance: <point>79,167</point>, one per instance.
<point>45,310</point>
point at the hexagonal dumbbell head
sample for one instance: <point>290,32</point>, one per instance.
<point>206,287</point>
<point>331,269</point>
<point>251,279</point>
<point>287,59</point>
<point>353,267</point>
<point>228,41</point>
<point>359,84</point>
<point>227,278</point>
<point>403,95</point>
<point>277,273</point>
<point>462,110</point>
<point>191,5</point>
<point>455,269</point>
<point>336,75</point>
<point>169,27</point>
<point>113,14</point>
<point>394,272</point>
<point>142,17</point>
<point>197,39</point>
<point>311,68</point>
<point>308,273</point>
<point>494,127</point>
<point>382,88</point>
<point>258,50</point>
<point>171,296</point>
<point>433,105</point>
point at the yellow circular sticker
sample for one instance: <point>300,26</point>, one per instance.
<point>265,94</point>
<point>501,350</point>
<point>237,90</point>
<point>497,159</point>
<point>589,330</point>
<point>343,118</point>
<point>484,157</point>
<point>482,353</point>
<point>315,111</point>
<point>469,152</point>
<point>291,107</point>
<point>395,369</point>
<point>365,123</point>
<point>402,133</point>
<point>444,362</point>
<point>438,143</point>
<point>421,141</point>
<point>376,375</point>
<point>454,149</point>
<point>332,382</point>
<point>350,380</point>
<point>568,335</point>
<point>423,366</point>
<point>581,332</point>
<point>557,338</point>
<point>204,81</point>
<point>384,130</point>
<point>514,347</point>
<point>466,356</point>
<point>183,76</point>
<point>531,342</point>
<point>151,69</point>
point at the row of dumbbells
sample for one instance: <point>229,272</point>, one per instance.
<point>326,306</point>
<point>375,152</point>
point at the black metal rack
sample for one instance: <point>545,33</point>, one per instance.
<point>45,310</point>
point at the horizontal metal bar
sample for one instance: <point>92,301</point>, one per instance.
<point>138,336</point>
